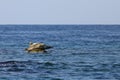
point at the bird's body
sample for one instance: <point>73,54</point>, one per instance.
<point>37,47</point>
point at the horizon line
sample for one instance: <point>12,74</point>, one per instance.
<point>59,24</point>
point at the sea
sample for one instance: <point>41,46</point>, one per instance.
<point>80,52</point>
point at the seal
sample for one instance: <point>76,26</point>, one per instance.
<point>37,47</point>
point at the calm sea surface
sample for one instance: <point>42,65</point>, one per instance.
<point>89,52</point>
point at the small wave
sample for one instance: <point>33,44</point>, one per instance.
<point>29,66</point>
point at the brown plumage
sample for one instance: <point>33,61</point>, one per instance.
<point>37,47</point>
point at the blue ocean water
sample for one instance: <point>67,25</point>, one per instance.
<point>81,52</point>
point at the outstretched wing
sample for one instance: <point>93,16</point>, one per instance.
<point>36,46</point>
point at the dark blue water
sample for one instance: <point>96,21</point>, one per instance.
<point>88,52</point>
